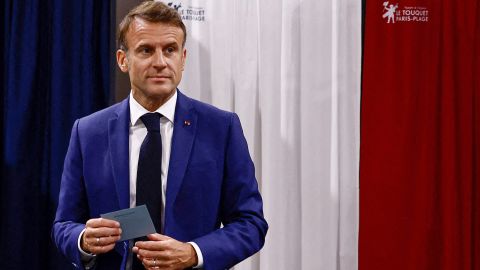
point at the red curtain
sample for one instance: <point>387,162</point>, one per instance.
<point>420,136</point>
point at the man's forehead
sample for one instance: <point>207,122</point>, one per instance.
<point>142,28</point>
<point>140,24</point>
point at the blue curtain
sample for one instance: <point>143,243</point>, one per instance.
<point>56,64</point>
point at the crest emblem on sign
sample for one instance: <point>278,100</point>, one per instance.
<point>389,11</point>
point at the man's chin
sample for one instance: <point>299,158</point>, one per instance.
<point>162,92</point>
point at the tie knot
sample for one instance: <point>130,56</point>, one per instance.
<point>151,121</point>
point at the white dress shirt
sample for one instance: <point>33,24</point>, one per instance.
<point>137,134</point>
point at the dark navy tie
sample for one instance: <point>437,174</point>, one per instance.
<point>149,174</point>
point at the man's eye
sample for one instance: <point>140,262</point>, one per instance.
<point>170,50</point>
<point>145,50</point>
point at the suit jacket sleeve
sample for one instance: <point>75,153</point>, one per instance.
<point>241,211</point>
<point>72,206</point>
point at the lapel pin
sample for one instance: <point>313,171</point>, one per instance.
<point>186,123</point>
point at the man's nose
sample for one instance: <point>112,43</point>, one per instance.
<point>159,60</point>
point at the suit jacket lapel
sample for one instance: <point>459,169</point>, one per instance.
<point>118,129</point>
<point>184,129</point>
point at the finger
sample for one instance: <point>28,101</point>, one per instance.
<point>143,253</point>
<point>102,232</point>
<point>141,258</point>
<point>154,263</point>
<point>102,222</point>
<point>103,241</point>
<point>157,237</point>
<point>155,245</point>
<point>161,265</point>
<point>163,256</point>
<point>93,241</point>
<point>101,249</point>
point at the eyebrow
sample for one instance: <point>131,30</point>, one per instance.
<point>144,44</point>
<point>172,44</point>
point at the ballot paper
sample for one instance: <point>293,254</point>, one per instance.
<point>135,222</point>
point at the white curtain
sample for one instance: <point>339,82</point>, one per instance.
<point>291,70</point>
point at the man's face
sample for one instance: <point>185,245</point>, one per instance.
<point>154,61</point>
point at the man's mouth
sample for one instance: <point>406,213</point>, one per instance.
<point>158,77</point>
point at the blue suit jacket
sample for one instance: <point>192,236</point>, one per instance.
<point>211,180</point>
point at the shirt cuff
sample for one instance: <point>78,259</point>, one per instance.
<point>199,255</point>
<point>88,259</point>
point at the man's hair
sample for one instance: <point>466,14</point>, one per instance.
<point>151,11</point>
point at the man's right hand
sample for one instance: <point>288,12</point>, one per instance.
<point>100,235</point>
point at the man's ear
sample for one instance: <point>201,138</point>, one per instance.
<point>122,60</point>
<point>184,58</point>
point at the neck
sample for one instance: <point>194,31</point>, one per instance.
<point>151,103</point>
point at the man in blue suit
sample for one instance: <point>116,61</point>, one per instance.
<point>206,176</point>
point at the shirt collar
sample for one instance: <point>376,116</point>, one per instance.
<point>137,110</point>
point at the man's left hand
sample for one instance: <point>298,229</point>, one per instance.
<point>163,252</point>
